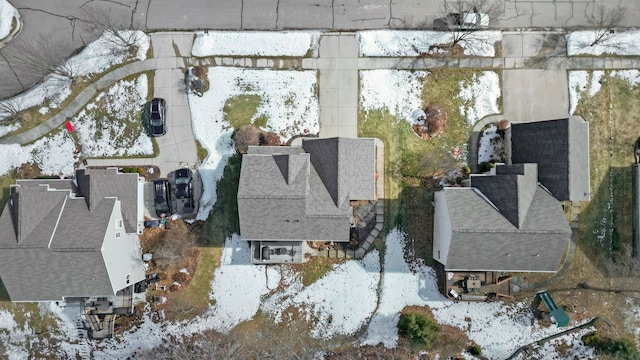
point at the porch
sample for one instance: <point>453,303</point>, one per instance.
<point>478,286</point>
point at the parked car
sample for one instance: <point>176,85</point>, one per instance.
<point>161,197</point>
<point>157,117</point>
<point>183,184</point>
<point>468,21</point>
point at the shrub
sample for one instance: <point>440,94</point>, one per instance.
<point>475,350</point>
<point>247,135</point>
<point>140,171</point>
<point>619,349</point>
<point>419,329</point>
<point>486,166</point>
<point>466,170</point>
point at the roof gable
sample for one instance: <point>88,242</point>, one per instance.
<point>511,190</point>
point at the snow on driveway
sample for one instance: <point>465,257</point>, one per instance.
<point>288,102</point>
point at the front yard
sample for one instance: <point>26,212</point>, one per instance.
<point>413,166</point>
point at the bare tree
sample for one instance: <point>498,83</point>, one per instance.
<point>40,56</point>
<point>105,22</point>
<point>462,19</point>
<point>605,21</point>
<point>10,110</point>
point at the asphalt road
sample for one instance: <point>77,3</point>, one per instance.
<point>64,23</point>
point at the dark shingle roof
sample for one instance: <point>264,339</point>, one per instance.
<point>303,193</point>
<point>547,144</point>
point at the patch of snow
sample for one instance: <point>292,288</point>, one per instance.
<point>95,58</point>
<point>596,75</point>
<point>53,153</point>
<point>43,110</point>
<point>400,43</point>
<point>632,318</point>
<point>13,337</point>
<point>631,76</point>
<point>581,81</point>
<point>5,129</point>
<point>486,149</point>
<point>288,102</point>
<point>480,96</point>
<point>619,43</point>
<point>578,81</point>
<point>397,91</point>
<point>238,286</point>
<point>255,43</point>
<point>333,305</point>
<point>102,136</point>
<point>7,14</point>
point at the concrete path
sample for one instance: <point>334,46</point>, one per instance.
<point>338,71</point>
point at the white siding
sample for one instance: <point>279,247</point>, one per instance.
<point>441,228</point>
<point>122,256</point>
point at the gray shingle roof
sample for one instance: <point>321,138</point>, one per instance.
<point>303,193</point>
<point>484,239</point>
<point>55,249</point>
<point>96,184</point>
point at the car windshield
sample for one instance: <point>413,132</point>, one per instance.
<point>182,181</point>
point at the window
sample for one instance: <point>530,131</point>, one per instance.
<point>118,235</point>
<point>119,224</point>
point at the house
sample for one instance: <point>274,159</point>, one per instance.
<point>75,240</point>
<point>502,223</point>
<point>290,195</point>
<point>561,150</point>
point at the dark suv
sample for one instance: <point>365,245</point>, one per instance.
<point>161,197</point>
<point>157,117</point>
<point>183,184</point>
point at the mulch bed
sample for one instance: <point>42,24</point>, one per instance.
<point>148,172</point>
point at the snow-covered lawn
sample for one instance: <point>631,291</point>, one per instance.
<point>397,91</point>
<point>418,42</point>
<point>53,153</point>
<point>288,102</point>
<point>400,91</point>
<point>108,126</point>
<point>111,125</point>
<point>7,14</point>
<point>341,302</point>
<point>618,43</point>
<point>582,82</point>
<point>480,96</point>
<point>95,58</point>
<point>255,43</point>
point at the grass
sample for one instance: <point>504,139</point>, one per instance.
<point>239,110</point>
<point>606,223</point>
<point>408,159</point>
<point>202,151</point>
<point>193,299</point>
<point>223,219</point>
<point>314,269</point>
